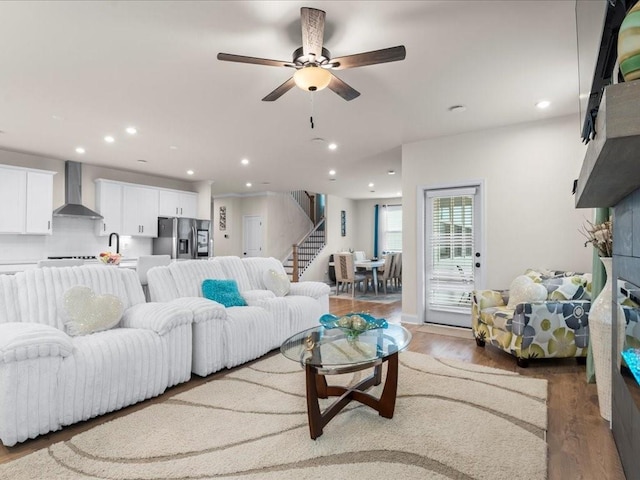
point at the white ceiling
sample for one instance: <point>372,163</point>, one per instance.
<point>73,72</point>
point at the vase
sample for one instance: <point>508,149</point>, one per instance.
<point>629,45</point>
<point>600,333</point>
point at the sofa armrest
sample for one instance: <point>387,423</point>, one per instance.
<point>309,289</point>
<point>22,341</point>
<point>489,298</point>
<point>202,308</point>
<point>159,317</point>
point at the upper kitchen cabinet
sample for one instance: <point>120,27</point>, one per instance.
<point>39,202</point>
<point>174,203</point>
<point>140,211</point>
<point>26,196</point>
<point>127,209</point>
<point>109,205</point>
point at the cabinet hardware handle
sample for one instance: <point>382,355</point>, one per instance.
<point>48,224</point>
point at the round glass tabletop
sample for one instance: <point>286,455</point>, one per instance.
<point>329,350</point>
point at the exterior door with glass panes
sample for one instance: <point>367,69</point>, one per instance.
<point>452,256</point>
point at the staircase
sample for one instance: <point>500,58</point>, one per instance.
<point>303,253</point>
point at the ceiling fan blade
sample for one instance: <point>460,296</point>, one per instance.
<point>392,54</point>
<point>341,88</point>
<point>229,57</point>
<point>281,90</point>
<point>312,30</point>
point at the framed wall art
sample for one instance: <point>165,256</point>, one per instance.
<point>343,223</point>
<point>223,218</point>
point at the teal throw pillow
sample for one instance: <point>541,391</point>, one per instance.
<point>224,292</point>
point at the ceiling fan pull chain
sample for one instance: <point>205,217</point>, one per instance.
<point>311,117</point>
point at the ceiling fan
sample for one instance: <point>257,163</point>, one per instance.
<point>312,61</point>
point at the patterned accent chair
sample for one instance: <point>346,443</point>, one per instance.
<point>553,325</point>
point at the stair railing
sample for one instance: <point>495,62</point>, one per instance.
<point>307,250</point>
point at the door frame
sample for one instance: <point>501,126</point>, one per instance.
<point>421,240</point>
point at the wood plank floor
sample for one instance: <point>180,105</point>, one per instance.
<point>581,446</point>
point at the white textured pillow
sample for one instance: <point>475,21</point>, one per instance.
<point>278,283</point>
<point>524,289</point>
<point>88,312</point>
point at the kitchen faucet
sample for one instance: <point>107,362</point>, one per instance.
<point>117,241</point>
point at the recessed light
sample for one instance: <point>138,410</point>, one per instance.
<point>371,185</point>
<point>332,146</point>
<point>248,184</point>
<point>190,172</point>
<point>172,147</point>
<point>332,179</point>
<point>457,108</point>
<point>399,194</point>
<point>57,117</point>
<point>317,140</point>
<point>543,104</point>
<point>80,150</point>
<point>142,161</point>
<point>391,172</point>
<point>132,130</point>
<point>332,172</point>
<point>244,161</point>
<point>109,139</point>
<point>265,183</point>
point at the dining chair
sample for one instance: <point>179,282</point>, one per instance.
<point>397,269</point>
<point>387,271</point>
<point>147,262</point>
<point>346,274</point>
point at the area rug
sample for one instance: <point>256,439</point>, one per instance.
<point>452,421</point>
<point>390,297</point>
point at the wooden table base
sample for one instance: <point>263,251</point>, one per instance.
<point>317,388</point>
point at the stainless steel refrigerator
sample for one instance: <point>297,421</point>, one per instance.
<point>185,238</point>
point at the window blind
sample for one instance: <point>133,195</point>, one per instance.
<point>391,228</point>
<point>452,249</point>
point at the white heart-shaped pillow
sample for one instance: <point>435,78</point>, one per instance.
<point>88,312</point>
<point>524,289</point>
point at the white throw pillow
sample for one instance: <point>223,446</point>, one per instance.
<point>524,289</point>
<point>278,283</point>
<point>87,312</point>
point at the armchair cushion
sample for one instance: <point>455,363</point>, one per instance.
<point>161,318</point>
<point>576,287</point>
<point>523,289</point>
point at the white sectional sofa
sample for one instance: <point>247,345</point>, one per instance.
<point>229,336</point>
<point>50,379</point>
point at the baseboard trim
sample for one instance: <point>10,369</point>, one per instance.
<point>458,332</point>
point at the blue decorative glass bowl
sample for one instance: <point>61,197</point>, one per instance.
<point>353,324</point>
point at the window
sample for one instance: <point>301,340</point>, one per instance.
<point>452,247</point>
<point>390,229</point>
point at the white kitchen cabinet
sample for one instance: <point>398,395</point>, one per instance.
<point>140,211</point>
<point>39,209</point>
<point>109,205</point>
<point>174,203</point>
<point>26,196</point>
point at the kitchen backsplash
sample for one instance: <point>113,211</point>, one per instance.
<point>71,236</point>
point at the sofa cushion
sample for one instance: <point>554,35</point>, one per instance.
<point>224,292</point>
<point>567,288</point>
<point>88,313</point>
<point>278,283</point>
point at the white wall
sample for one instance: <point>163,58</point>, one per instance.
<point>365,221</point>
<point>284,223</point>
<point>529,216</point>
<point>335,242</point>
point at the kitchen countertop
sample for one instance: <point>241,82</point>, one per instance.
<point>9,267</point>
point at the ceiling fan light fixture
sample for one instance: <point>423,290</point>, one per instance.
<point>312,78</point>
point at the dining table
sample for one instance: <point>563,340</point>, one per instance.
<point>372,265</point>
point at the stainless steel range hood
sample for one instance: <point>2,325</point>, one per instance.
<point>73,194</point>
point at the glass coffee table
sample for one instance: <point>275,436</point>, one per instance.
<point>327,351</point>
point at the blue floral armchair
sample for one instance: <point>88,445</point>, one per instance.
<point>553,327</point>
